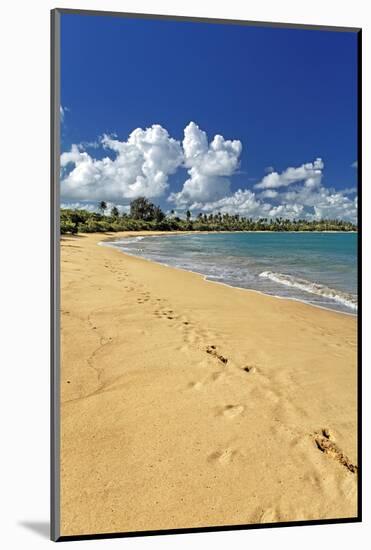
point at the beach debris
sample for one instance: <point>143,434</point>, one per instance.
<point>326,433</point>
<point>327,446</point>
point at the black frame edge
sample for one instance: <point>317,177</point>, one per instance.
<point>359,271</point>
<point>195,530</point>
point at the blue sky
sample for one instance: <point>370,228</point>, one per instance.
<point>283,100</point>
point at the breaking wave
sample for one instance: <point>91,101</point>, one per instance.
<point>343,298</point>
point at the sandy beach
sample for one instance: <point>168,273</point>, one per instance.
<point>186,403</point>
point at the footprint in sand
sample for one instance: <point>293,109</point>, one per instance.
<point>224,456</point>
<point>209,380</point>
<point>104,341</point>
<point>271,396</point>
<point>249,369</point>
<point>231,411</point>
<point>168,314</point>
<point>217,376</point>
<point>195,385</point>
<point>269,516</point>
<point>162,315</point>
<point>211,350</point>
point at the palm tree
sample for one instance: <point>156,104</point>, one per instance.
<point>158,214</point>
<point>142,209</point>
<point>102,207</point>
<point>115,212</point>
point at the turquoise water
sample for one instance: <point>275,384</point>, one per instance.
<point>319,268</point>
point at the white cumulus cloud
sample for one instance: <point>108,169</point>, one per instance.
<point>209,166</point>
<point>307,199</point>
<point>141,166</point>
<point>143,163</point>
<point>309,173</point>
<point>243,202</point>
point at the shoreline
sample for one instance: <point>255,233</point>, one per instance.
<point>106,242</point>
<point>197,404</point>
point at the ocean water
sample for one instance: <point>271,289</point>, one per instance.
<point>319,268</point>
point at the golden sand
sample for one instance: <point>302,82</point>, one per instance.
<point>187,403</point>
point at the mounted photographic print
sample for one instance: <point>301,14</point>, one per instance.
<point>205,274</point>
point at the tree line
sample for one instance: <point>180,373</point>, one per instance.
<point>144,215</point>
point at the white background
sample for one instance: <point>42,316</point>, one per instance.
<point>24,305</point>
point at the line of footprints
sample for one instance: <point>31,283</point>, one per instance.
<point>323,440</point>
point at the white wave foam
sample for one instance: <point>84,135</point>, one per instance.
<point>343,298</point>
<point>128,240</point>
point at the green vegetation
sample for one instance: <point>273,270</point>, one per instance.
<point>144,215</point>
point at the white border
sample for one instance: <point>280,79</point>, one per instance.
<point>25,51</point>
